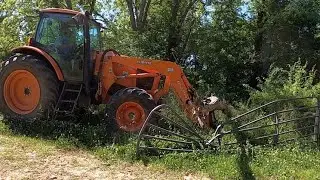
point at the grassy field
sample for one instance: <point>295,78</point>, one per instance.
<point>24,157</point>
<point>281,163</point>
<point>286,163</point>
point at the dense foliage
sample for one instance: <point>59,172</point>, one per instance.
<point>224,46</point>
<point>294,82</point>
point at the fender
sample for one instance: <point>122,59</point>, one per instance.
<point>36,51</point>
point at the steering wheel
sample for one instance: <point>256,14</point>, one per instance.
<point>78,48</point>
<point>76,52</point>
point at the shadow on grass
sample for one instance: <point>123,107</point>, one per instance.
<point>244,158</point>
<point>244,165</point>
<point>86,131</point>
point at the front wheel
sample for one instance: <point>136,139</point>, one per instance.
<point>129,108</point>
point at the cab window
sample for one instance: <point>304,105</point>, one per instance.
<point>61,37</point>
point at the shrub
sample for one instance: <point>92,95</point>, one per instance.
<point>294,82</point>
<point>297,81</point>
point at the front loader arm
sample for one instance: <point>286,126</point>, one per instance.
<point>175,79</point>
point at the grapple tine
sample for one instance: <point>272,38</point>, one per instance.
<point>168,131</point>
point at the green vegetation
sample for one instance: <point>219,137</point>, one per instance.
<point>299,161</point>
<point>278,163</point>
<point>295,82</point>
<point>248,52</point>
<point>224,46</point>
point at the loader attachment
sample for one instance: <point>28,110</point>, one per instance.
<point>275,123</point>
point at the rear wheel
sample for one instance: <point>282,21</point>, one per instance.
<point>129,108</point>
<point>28,87</point>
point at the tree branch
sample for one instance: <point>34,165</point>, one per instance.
<point>136,13</point>
<point>187,10</point>
<point>173,35</point>
<point>132,15</point>
<point>93,3</point>
<point>105,20</point>
<point>145,14</point>
<point>140,13</point>
<point>69,4</point>
<point>184,46</point>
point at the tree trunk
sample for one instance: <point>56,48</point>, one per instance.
<point>138,17</point>
<point>132,14</point>
<point>173,37</point>
<point>259,36</point>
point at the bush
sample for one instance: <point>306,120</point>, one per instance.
<point>297,81</point>
<point>291,83</point>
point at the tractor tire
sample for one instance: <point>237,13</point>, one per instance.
<point>28,88</point>
<point>129,108</point>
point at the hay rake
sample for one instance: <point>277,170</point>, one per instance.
<point>277,122</point>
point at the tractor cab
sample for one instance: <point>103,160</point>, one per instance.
<point>69,37</point>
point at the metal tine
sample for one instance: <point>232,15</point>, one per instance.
<point>231,143</point>
<point>182,119</point>
<point>274,113</point>
<point>272,135</point>
<point>143,129</point>
<point>215,135</point>
<point>245,127</point>
<point>267,104</point>
<point>183,130</point>
<point>190,130</point>
<point>292,139</point>
<point>295,119</point>
<point>269,125</point>
<point>165,139</point>
<point>143,133</point>
<point>153,145</point>
<point>173,133</point>
<point>168,149</point>
<point>295,130</point>
<point>266,136</point>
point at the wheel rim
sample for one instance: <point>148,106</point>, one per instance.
<point>21,92</point>
<point>130,116</point>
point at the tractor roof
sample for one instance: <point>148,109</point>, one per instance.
<point>59,10</point>
<point>64,11</point>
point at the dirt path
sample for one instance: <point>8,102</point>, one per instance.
<point>24,158</point>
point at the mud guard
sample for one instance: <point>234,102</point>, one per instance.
<point>38,52</point>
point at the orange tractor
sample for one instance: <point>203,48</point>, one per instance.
<point>63,67</point>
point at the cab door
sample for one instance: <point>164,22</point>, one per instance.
<point>62,38</point>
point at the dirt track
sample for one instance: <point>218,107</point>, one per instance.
<point>24,159</point>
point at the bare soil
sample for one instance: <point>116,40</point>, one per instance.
<point>22,158</point>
